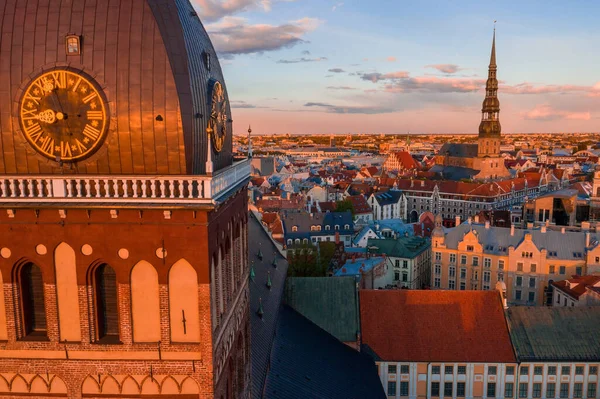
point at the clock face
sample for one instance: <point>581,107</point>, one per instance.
<point>217,124</point>
<point>63,115</point>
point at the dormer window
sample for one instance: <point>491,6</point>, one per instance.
<point>327,227</point>
<point>73,43</point>
<point>206,57</point>
<point>337,227</point>
<point>347,227</point>
<point>294,228</point>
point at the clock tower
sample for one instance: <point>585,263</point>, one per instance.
<point>123,213</point>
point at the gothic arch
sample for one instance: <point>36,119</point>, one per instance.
<point>145,306</point>
<point>183,302</point>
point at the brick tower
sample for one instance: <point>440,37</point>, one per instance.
<point>123,214</point>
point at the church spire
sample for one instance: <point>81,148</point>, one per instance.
<point>490,118</point>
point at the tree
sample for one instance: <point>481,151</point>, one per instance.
<point>343,206</point>
<point>303,261</point>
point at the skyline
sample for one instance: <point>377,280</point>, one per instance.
<point>301,66</point>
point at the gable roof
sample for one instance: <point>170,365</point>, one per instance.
<point>401,247</point>
<point>360,204</point>
<point>555,333</point>
<point>388,197</point>
<point>307,362</point>
<point>403,158</point>
<point>578,285</point>
<point>435,326</point>
<point>330,303</point>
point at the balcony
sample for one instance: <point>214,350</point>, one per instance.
<point>141,189</point>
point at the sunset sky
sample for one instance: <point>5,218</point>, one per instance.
<point>393,66</point>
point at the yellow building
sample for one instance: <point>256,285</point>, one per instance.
<point>476,256</point>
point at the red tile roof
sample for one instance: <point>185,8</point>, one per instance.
<point>578,285</point>
<point>435,326</point>
<point>360,204</point>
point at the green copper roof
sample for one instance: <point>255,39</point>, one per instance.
<point>329,302</point>
<point>402,247</point>
<point>555,333</point>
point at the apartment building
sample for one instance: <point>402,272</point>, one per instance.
<point>475,256</point>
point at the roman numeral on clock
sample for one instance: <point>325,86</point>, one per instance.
<point>34,131</point>
<point>29,114</point>
<point>95,115</point>
<point>80,146</point>
<point>91,132</point>
<point>89,98</point>
<point>33,98</point>
<point>60,79</point>
<point>65,150</point>
<point>47,145</point>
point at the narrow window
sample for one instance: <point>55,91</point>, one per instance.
<point>33,311</point>
<point>107,313</point>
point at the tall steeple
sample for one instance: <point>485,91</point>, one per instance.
<point>249,141</point>
<point>490,128</point>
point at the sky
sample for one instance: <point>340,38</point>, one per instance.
<point>399,66</point>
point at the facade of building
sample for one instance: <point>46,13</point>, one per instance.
<point>477,256</point>
<point>481,161</point>
<point>303,227</point>
<point>408,260</point>
<point>391,204</point>
<point>399,161</point>
<point>123,212</point>
<point>577,291</point>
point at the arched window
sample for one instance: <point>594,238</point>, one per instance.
<point>33,311</point>
<point>106,307</point>
<point>347,227</point>
<point>294,228</point>
<point>289,242</point>
<point>337,227</point>
<point>327,227</point>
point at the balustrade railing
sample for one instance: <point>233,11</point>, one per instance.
<point>60,188</point>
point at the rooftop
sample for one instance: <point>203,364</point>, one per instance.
<point>435,326</point>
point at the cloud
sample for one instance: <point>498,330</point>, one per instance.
<point>243,104</point>
<point>341,88</point>
<point>445,68</point>
<point>529,88</point>
<point>233,35</point>
<point>336,6</point>
<point>544,112</point>
<point>299,60</point>
<point>338,109</point>
<point>432,84</point>
<point>391,59</point>
<point>376,76</point>
<point>336,70</point>
<point>213,10</point>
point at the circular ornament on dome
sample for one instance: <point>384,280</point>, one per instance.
<point>41,249</point>
<point>123,253</point>
<point>161,253</point>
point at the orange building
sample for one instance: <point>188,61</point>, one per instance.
<point>123,214</point>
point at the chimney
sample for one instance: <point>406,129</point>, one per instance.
<point>476,218</point>
<point>529,225</point>
<point>470,220</point>
<point>562,230</point>
<point>512,230</point>
<point>543,229</point>
<point>487,224</point>
<point>585,226</point>
<point>422,183</point>
<point>587,239</point>
<point>457,220</point>
<point>337,237</point>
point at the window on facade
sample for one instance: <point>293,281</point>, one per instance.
<point>531,282</point>
<point>463,286</point>
<point>487,262</point>
<point>405,277</point>
<point>524,370</point>
<point>532,268</point>
<point>593,370</point>
<point>462,369</point>
<point>435,389</point>
<point>460,389</point>
<point>551,269</point>
<point>492,370</point>
<point>452,271</point>
<point>31,292</point>
<point>578,390</point>
<point>107,314</point>
<point>438,256</point>
<point>579,370</point>
<point>562,270</point>
<point>591,393</point>
<point>448,388</point>
<point>510,370</point>
<point>550,390</point>
<point>537,390</point>
<point>519,266</point>
<point>396,276</point>
<point>452,258</point>
<point>486,277</point>
<point>391,369</point>
<point>451,284</point>
<point>435,369</point>
<point>501,264</point>
<point>391,388</point>
<point>500,276</point>
<point>475,261</point>
<point>538,370</point>
<point>491,390</point>
<point>437,282</point>
<point>519,281</point>
<point>449,370</point>
<point>405,264</point>
<point>564,390</point>
<point>565,370</point>
<point>523,387</point>
<point>404,388</point>
<point>509,390</point>
<point>438,269</point>
<point>404,369</point>
<point>578,270</point>
<point>463,273</point>
<point>551,370</point>
<point>463,259</point>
